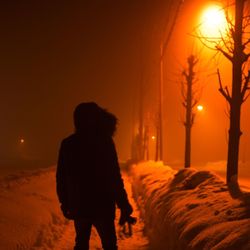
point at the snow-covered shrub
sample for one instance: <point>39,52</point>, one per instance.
<point>189,210</point>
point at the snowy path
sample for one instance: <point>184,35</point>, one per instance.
<point>137,242</point>
<point>31,217</point>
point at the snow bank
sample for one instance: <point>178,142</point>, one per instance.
<point>190,209</point>
<point>30,215</point>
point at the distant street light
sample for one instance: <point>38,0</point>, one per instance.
<point>153,137</point>
<point>199,107</point>
<point>21,141</point>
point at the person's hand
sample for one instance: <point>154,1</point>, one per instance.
<point>66,212</point>
<point>125,215</point>
<point>129,219</point>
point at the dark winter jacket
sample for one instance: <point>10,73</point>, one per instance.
<point>89,182</point>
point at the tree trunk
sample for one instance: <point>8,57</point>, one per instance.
<point>188,123</point>
<point>236,100</point>
<point>189,115</point>
<point>188,147</point>
<point>233,144</point>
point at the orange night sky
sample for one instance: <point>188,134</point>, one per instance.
<point>56,54</point>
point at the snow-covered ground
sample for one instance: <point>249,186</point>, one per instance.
<point>190,210</point>
<point>30,217</point>
<point>184,210</point>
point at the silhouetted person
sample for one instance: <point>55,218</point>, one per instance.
<point>89,183</point>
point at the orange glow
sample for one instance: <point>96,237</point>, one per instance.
<point>213,22</point>
<point>199,107</point>
<point>153,137</point>
<point>21,141</point>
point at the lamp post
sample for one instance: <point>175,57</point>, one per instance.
<point>159,128</point>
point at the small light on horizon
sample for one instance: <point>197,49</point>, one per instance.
<point>199,107</point>
<point>22,141</point>
<point>153,137</point>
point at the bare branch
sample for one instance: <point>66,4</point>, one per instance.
<point>245,57</point>
<point>195,61</point>
<point>194,103</point>
<point>246,43</point>
<point>227,91</point>
<point>225,42</point>
<point>231,29</point>
<point>183,92</point>
<point>246,17</point>
<point>206,40</point>
<point>185,74</point>
<point>229,57</point>
<point>245,87</point>
<point>245,98</point>
<point>222,91</point>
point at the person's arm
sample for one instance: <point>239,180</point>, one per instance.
<point>120,192</point>
<point>60,176</point>
<point>61,183</point>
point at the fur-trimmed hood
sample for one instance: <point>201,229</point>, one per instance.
<point>91,118</point>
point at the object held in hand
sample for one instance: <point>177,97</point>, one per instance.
<point>127,226</point>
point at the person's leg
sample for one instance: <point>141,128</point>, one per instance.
<point>83,231</point>
<point>106,231</point>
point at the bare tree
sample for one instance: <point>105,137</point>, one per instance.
<point>189,101</point>
<point>234,46</point>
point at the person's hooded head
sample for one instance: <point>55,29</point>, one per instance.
<point>91,118</point>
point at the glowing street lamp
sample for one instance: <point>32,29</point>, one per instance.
<point>213,22</point>
<point>21,141</point>
<point>153,137</point>
<point>200,108</point>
